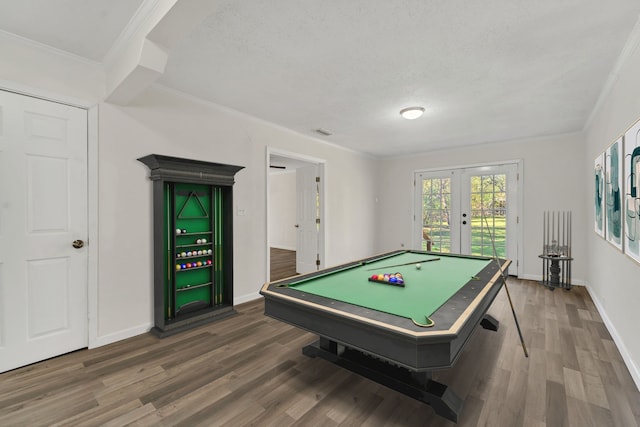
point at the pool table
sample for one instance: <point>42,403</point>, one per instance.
<point>394,334</point>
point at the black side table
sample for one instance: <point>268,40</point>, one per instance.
<point>556,271</point>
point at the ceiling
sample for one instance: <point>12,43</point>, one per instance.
<point>495,70</point>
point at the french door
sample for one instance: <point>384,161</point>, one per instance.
<point>468,210</point>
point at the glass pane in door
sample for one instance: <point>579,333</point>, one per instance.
<point>488,214</point>
<point>436,214</point>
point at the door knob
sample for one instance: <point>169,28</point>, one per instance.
<point>78,244</point>
<point>296,226</point>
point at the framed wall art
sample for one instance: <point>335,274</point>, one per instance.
<point>598,202</point>
<point>613,193</point>
<point>632,192</point>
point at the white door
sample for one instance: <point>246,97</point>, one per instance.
<point>437,211</point>
<point>468,211</point>
<point>488,212</point>
<point>307,214</point>
<point>43,210</point>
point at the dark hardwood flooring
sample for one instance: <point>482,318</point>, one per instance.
<point>248,370</point>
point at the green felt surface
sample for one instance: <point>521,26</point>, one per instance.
<point>424,292</point>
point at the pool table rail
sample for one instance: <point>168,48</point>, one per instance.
<point>384,335</point>
<point>387,348</point>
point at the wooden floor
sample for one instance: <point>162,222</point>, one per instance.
<point>283,263</point>
<point>248,370</point>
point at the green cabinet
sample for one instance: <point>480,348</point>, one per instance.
<point>193,241</point>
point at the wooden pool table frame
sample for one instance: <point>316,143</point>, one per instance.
<point>385,348</point>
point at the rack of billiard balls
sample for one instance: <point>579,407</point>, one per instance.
<point>394,279</point>
<point>189,254</point>
<point>194,264</point>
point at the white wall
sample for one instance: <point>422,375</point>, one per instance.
<point>282,205</point>
<point>164,123</point>
<point>550,180</point>
<point>556,177</point>
<point>614,279</point>
<point>51,74</point>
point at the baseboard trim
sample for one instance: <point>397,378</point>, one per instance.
<point>628,360</point>
<point>246,298</point>
<point>537,278</point>
<point>144,328</point>
<point>121,335</point>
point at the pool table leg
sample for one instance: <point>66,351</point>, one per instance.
<point>417,385</point>
<point>489,322</point>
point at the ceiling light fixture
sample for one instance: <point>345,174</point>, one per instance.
<point>411,113</point>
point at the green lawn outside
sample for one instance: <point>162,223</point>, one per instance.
<point>480,237</point>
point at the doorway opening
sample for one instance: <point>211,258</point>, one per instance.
<point>295,214</point>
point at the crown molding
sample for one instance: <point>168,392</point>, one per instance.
<point>632,43</point>
<point>50,50</point>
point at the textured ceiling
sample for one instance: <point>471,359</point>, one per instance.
<point>485,71</point>
<point>86,28</point>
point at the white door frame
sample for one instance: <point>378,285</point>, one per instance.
<point>417,210</point>
<point>92,190</point>
<point>510,170</point>
<point>309,159</point>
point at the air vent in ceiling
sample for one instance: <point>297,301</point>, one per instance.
<point>323,132</point>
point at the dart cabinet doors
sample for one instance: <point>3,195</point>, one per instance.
<point>193,242</point>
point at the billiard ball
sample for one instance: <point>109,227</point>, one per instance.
<point>183,254</point>
<point>183,266</point>
<point>184,231</point>
<point>189,253</point>
<point>380,276</point>
<point>393,279</point>
<point>199,263</point>
<point>189,265</point>
<point>178,231</point>
<point>199,252</point>
<point>208,262</point>
<point>199,241</point>
<point>210,251</point>
<point>204,240</point>
<point>177,255</point>
<point>178,267</point>
<point>418,266</point>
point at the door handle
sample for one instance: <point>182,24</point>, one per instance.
<point>296,226</point>
<point>78,244</point>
